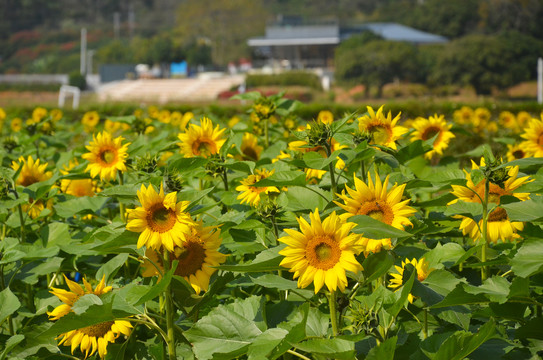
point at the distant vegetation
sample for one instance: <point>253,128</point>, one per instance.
<point>494,43</point>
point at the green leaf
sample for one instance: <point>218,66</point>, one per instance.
<point>459,296</point>
<point>296,331</point>
<point>527,261</point>
<point>533,329</point>
<point>338,348</point>
<point>283,178</point>
<point>10,344</point>
<point>383,351</point>
<point>314,160</point>
<point>410,274</point>
<point>529,210</point>
<point>128,191</point>
<point>9,302</point>
<point>251,95</point>
<point>247,167</point>
<point>111,266</point>
<point>470,209</point>
<point>159,287</point>
<point>267,260</point>
<point>187,164</point>
<point>447,255</point>
<point>317,323</point>
<point>375,229</point>
<point>265,343</point>
<point>441,281</point>
<point>463,343</point>
<point>413,150</point>
<point>495,288</point>
<point>273,281</point>
<point>224,332</point>
<point>376,265</point>
<point>307,198</point>
<point>84,302</point>
<point>71,207</point>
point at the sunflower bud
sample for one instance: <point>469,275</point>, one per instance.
<point>495,176</point>
<point>140,125</point>
<point>10,143</point>
<point>264,107</point>
<point>267,207</point>
<point>174,182</point>
<point>4,188</point>
<point>146,163</point>
<point>360,137</point>
<point>319,134</point>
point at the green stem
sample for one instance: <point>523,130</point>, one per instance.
<point>484,231</point>
<point>170,312</point>
<point>121,205</point>
<point>425,329</point>
<point>266,133</point>
<point>333,312</point>
<point>363,168</point>
<point>149,323</point>
<point>225,179</point>
<point>21,219</point>
<point>298,355</point>
<point>331,168</point>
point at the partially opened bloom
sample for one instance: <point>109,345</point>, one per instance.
<point>198,256</point>
<point>250,150</point>
<point>321,252</point>
<point>106,156</point>
<point>250,193</point>
<point>382,130</point>
<point>422,273</point>
<point>90,338</point>
<point>499,227</point>
<point>378,202</point>
<point>161,220</point>
<point>426,129</point>
<point>201,140</point>
<point>534,138</point>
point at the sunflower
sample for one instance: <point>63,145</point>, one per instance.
<point>201,140</point>
<point>31,171</point>
<point>422,273</point>
<point>428,128</point>
<point>56,114</point>
<point>161,220</point>
<point>250,149</point>
<point>534,138</point>
<point>463,116</point>
<point>481,117</point>
<point>325,117</point>
<point>16,124</point>
<point>376,201</point>
<point>90,120</point>
<point>164,116</point>
<point>198,257</point>
<point>321,252</point>
<point>509,120</point>
<point>523,118</point>
<point>106,156</point>
<point>77,187</point>
<point>250,193</point>
<point>175,118</point>
<point>381,129</point>
<point>498,226</point>
<point>515,152</point>
<point>93,337</point>
<point>38,114</point>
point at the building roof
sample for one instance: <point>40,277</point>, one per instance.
<point>281,35</point>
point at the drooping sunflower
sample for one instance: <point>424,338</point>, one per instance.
<point>201,140</point>
<point>515,152</point>
<point>106,156</point>
<point>77,187</point>
<point>198,256</point>
<point>250,194</point>
<point>499,227</point>
<point>534,138</point>
<point>90,338</point>
<point>422,273</point>
<point>321,252</point>
<point>381,129</point>
<point>161,220</point>
<point>250,150</point>
<point>376,201</point>
<point>428,128</point>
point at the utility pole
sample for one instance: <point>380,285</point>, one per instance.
<point>116,25</point>
<point>83,55</point>
<point>540,81</point>
<point>131,20</point>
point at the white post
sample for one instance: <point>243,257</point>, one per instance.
<point>83,61</point>
<point>540,81</point>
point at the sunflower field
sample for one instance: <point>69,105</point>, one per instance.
<point>169,235</point>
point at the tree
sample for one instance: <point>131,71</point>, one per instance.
<point>226,25</point>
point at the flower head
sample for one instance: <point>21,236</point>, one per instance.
<point>90,120</point>
<point>499,226</point>
<point>90,338</point>
<point>534,138</point>
<point>422,273</point>
<point>426,129</point>
<point>321,252</point>
<point>464,115</point>
<point>161,220</point>
<point>198,256</point>
<point>201,140</point>
<point>77,187</point>
<point>379,203</point>
<point>250,150</point>
<point>250,193</point>
<point>325,117</point>
<point>381,129</point>
<point>31,171</point>
<point>106,156</point>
